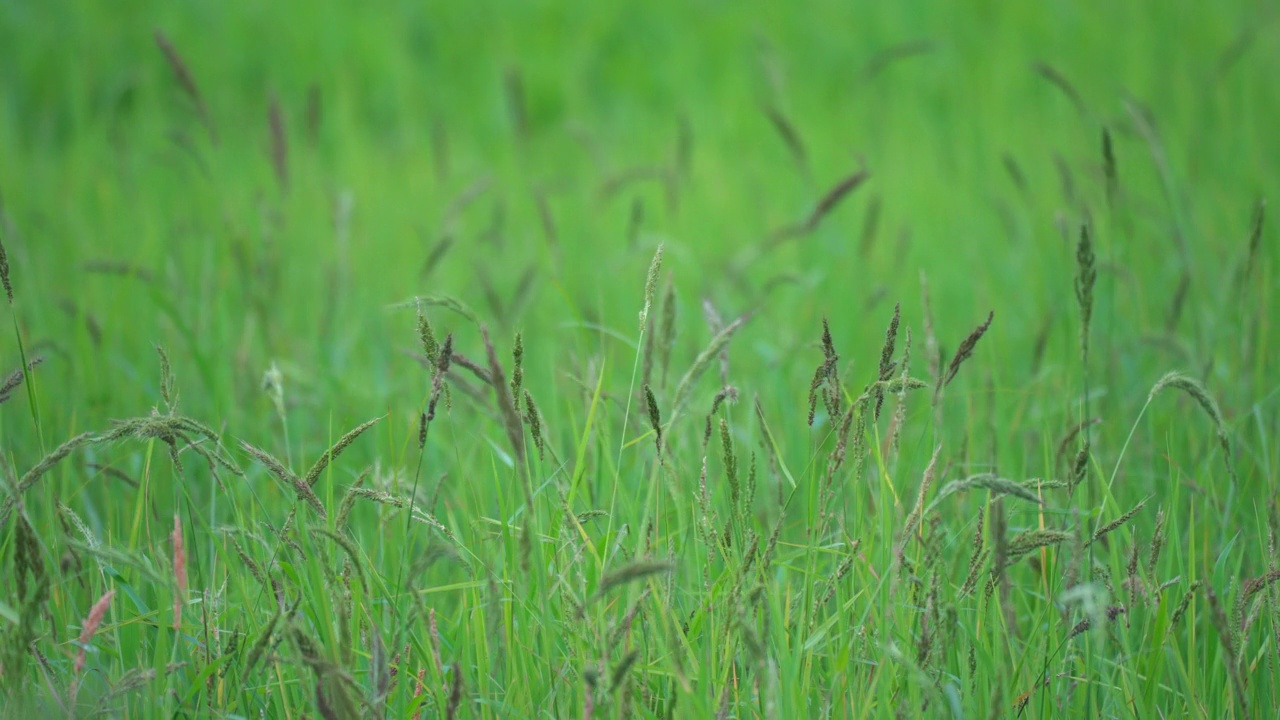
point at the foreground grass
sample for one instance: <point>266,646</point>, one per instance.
<point>856,459</point>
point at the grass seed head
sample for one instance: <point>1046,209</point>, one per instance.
<point>1111,613</point>
<point>505,401</point>
<point>277,468</point>
<point>1030,540</point>
<point>29,566</point>
<point>167,392</point>
<point>4,272</point>
<point>1251,588</point>
<point>1255,240</point>
<point>917,513</point>
<point>633,572</point>
<point>619,674</point>
<point>179,571</point>
<point>1086,278</point>
<point>825,379</point>
<point>1118,522</point>
<point>900,410</point>
<point>1132,580</point>
<point>254,568</point>
<point>1185,603</point>
<point>1060,81</point>
<point>343,443</point>
<point>832,199</point>
<point>819,378</point>
<point>715,323</point>
<point>1079,469</point>
<point>790,137</point>
<point>701,363</point>
<point>667,330</point>
<point>828,345</point>
<point>1157,544</point>
<point>32,476</point>
<point>655,418</point>
<point>997,485</point>
<point>263,641</point>
<point>90,626</point>
<point>976,557</point>
<point>730,463</point>
<point>1229,649</point>
<point>427,337</point>
<point>187,82</point>
<point>651,286</point>
<point>1196,391</point>
<point>355,562</point>
<point>16,377</point>
<point>1070,436</point>
<point>517,371</point>
<point>887,365</point>
<point>1109,169</point>
<point>965,351</point>
<point>438,386</point>
<point>534,420</point>
<point>727,393</point>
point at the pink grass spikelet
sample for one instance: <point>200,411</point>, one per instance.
<point>91,624</point>
<point>179,571</point>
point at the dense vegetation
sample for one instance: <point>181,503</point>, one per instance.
<point>953,390</point>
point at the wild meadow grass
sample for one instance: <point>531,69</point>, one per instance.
<point>510,361</point>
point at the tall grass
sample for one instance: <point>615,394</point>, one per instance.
<point>740,505</point>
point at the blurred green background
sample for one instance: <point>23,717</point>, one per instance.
<point>399,111</point>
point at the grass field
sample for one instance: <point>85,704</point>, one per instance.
<point>749,360</point>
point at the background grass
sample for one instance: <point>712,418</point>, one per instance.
<point>541,152</point>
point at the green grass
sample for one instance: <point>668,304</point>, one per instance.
<point>513,168</point>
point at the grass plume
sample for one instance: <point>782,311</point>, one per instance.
<point>700,365</point>
<point>1060,81</point>
<point>655,418</point>
<point>1192,388</point>
<point>187,81</point>
<point>1229,650</point>
<point>789,135</point>
<point>1086,278</point>
<point>632,572</point>
<point>826,379</point>
<point>985,481</point>
<point>534,420</point>
<point>1117,523</point>
<point>277,468</point>
<point>15,378</point>
<point>887,365</point>
<point>1109,170</point>
<point>651,286</point>
<point>965,351</point>
<point>1255,240</point>
<point>343,443</point>
<point>4,272</point>
<point>89,628</point>
<point>179,571</point>
<point>40,469</point>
